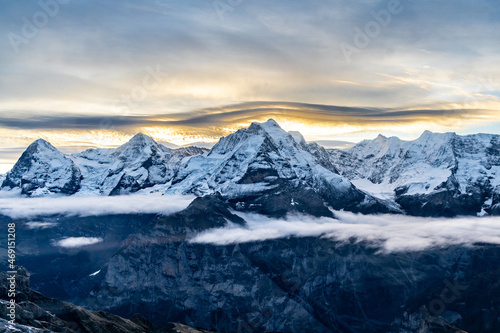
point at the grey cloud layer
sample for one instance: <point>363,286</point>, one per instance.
<point>93,52</point>
<point>240,113</point>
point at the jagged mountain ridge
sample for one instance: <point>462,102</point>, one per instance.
<point>262,168</point>
<point>265,169</point>
<point>437,174</point>
<point>138,164</point>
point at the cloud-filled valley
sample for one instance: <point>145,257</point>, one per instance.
<point>390,233</point>
<point>93,206</point>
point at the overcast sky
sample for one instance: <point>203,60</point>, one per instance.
<point>93,73</point>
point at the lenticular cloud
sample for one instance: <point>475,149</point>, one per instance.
<point>390,233</point>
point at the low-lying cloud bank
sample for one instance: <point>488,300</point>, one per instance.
<point>94,206</point>
<point>390,233</point>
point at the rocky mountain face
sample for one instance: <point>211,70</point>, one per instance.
<point>296,284</point>
<point>43,170</point>
<point>36,313</point>
<point>148,265</point>
<point>262,169</point>
<point>435,175</point>
<point>266,170</point>
<point>138,164</point>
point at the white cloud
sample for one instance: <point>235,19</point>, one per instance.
<point>390,233</point>
<point>73,242</point>
<point>14,193</point>
<point>94,206</point>
<point>40,225</point>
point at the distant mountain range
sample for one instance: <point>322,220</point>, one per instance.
<point>268,170</point>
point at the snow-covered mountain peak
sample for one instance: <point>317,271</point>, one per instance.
<point>263,164</point>
<point>41,146</point>
<point>438,138</point>
<point>141,147</point>
<point>252,138</point>
<point>272,130</point>
<point>379,146</point>
<point>438,173</point>
<point>44,151</point>
<point>277,136</point>
<point>140,163</point>
<point>426,132</point>
<point>297,136</point>
<point>138,141</point>
<point>43,169</point>
<point>270,124</point>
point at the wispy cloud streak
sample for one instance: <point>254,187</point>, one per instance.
<point>243,113</point>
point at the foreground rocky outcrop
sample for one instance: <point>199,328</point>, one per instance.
<point>36,313</point>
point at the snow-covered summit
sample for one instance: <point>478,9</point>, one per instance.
<point>139,145</point>
<point>43,170</point>
<point>298,137</point>
<point>137,164</point>
<point>264,162</point>
<point>461,170</point>
<point>267,169</point>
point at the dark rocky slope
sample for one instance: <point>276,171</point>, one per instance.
<point>36,313</point>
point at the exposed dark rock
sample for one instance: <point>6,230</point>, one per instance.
<point>190,151</point>
<point>37,311</point>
